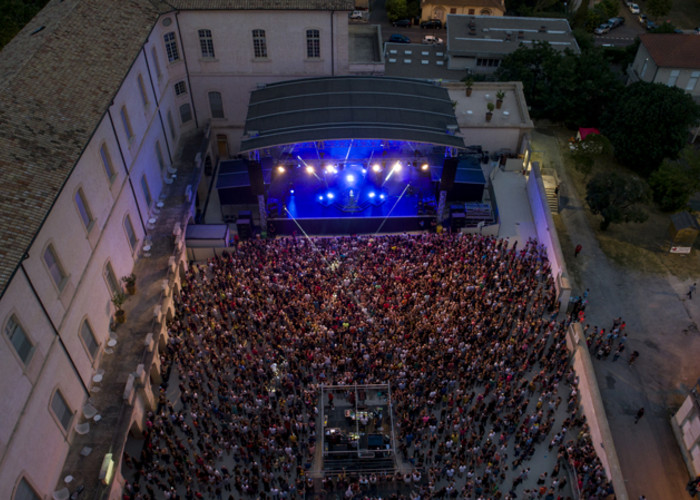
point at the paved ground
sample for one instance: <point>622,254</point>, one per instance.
<point>662,326</point>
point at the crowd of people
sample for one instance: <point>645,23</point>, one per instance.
<point>460,326</point>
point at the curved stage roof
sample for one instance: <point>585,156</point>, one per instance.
<point>319,109</point>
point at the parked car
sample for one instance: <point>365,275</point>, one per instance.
<point>602,29</point>
<point>398,38</point>
<point>615,22</point>
<point>642,18</point>
<point>356,14</point>
<point>432,40</point>
<point>633,7</point>
<point>402,23</point>
<point>431,24</point>
<point>651,25</point>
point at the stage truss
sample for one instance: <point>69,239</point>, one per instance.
<point>358,429</point>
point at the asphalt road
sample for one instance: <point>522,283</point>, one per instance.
<point>622,35</point>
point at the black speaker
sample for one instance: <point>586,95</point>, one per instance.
<point>449,169</point>
<point>244,227</point>
<point>257,185</point>
<point>457,221</point>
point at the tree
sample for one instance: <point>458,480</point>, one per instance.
<point>617,198</point>
<point>533,66</point>
<point>564,87</point>
<point>659,8</point>
<point>675,181</point>
<point>582,87</point>
<point>396,9</point>
<point>584,153</point>
<point>648,122</point>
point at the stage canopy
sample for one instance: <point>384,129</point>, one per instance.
<point>338,108</point>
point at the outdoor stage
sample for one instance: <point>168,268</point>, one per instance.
<point>354,197</point>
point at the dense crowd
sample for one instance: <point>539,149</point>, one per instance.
<point>461,326</point>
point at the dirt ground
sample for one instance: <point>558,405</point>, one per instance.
<point>642,247</point>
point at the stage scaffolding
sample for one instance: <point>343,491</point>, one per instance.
<point>358,429</point>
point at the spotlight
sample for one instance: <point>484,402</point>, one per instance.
<point>397,166</point>
<point>309,169</point>
<point>425,166</point>
<point>376,167</point>
<point>330,169</point>
<point>281,169</point>
<point>372,194</point>
<point>330,196</point>
<point>320,197</point>
<point>382,196</point>
<point>364,171</point>
<point>350,178</point>
<point>291,191</point>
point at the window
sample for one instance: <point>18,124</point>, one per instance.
<point>644,67</point>
<point>146,191</point>
<point>54,266</point>
<point>61,410</point>
<point>24,491</point>
<point>19,340</point>
<point>216,105</point>
<point>471,12</point>
<point>673,77</point>
<point>130,233</point>
<point>126,123</point>
<point>206,43</point>
<point>693,80</point>
<point>159,156</point>
<point>313,44</point>
<point>486,62</point>
<point>185,113</point>
<point>112,282</point>
<point>453,10</point>
<point>89,339</point>
<point>142,91</point>
<point>171,46</point>
<point>180,88</point>
<point>171,125</point>
<point>156,62</point>
<point>259,44</point>
<point>83,208</point>
<point>485,12</point>
<point>107,162</point>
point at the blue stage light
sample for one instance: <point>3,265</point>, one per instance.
<point>320,197</point>
<point>350,178</point>
<point>372,194</point>
<point>291,191</point>
<point>382,196</point>
<point>330,196</point>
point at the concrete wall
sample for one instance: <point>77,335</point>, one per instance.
<point>686,426</point>
<point>547,234</point>
<point>592,406</point>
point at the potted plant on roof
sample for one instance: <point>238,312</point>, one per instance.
<point>469,82</point>
<point>130,283</point>
<point>499,98</point>
<point>489,114</point>
<point>118,300</point>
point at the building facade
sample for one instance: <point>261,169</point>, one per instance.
<point>436,9</point>
<point>670,59</point>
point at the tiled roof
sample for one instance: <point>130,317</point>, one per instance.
<point>673,50</point>
<point>59,75</point>
<point>263,4</point>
